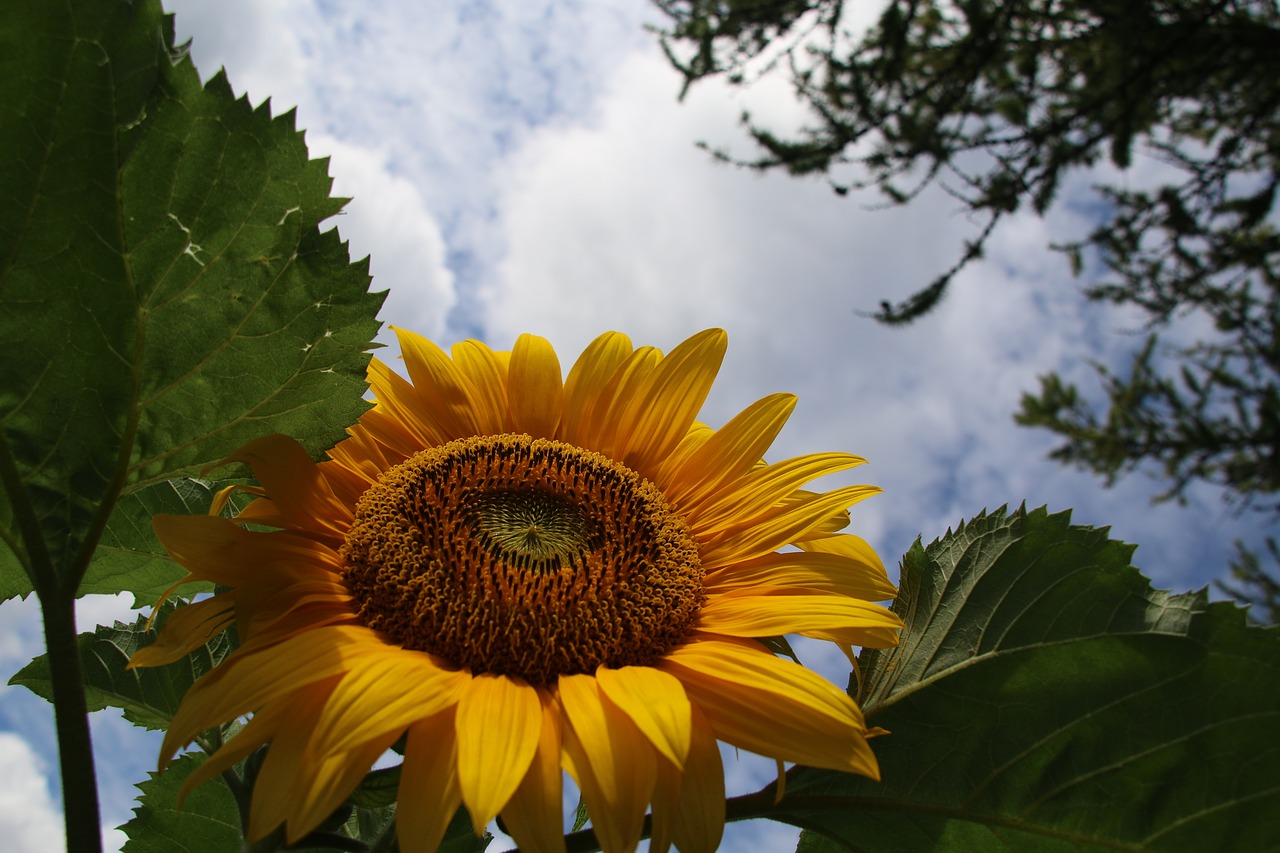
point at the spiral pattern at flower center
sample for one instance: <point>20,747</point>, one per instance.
<point>524,557</point>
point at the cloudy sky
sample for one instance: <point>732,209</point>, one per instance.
<point>527,167</point>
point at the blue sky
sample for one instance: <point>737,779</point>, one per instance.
<point>526,167</point>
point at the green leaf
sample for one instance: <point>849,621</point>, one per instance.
<point>166,293</point>
<point>378,788</point>
<point>368,824</point>
<point>375,800</point>
<point>460,836</point>
<point>13,574</point>
<point>1046,698</point>
<point>149,696</point>
<point>208,822</point>
<point>580,816</point>
<point>779,646</point>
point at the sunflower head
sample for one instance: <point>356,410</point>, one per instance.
<point>523,557</point>
<point>527,574</point>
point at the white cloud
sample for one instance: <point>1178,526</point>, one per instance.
<point>257,43</point>
<point>18,631</point>
<point>620,223</point>
<point>30,817</point>
<point>29,820</point>
<point>387,221</point>
<point>92,610</point>
<point>113,840</point>
<point>758,836</point>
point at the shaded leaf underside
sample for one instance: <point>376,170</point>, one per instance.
<point>1046,698</point>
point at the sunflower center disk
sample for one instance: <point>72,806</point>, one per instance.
<point>526,557</point>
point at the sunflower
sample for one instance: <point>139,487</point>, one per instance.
<point>521,575</point>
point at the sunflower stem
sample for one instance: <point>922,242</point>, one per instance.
<point>584,840</point>
<point>71,718</point>
<point>241,795</point>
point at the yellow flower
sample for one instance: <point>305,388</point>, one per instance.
<point>525,575</point>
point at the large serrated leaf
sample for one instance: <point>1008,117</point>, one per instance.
<point>148,696</point>
<point>166,293</point>
<point>208,822</point>
<point>1045,698</point>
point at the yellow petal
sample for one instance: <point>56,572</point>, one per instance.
<point>730,452</point>
<point>295,486</point>
<point>675,468</point>
<point>741,502</point>
<point>856,577</point>
<point>772,707</point>
<point>534,815</point>
<point>600,431</point>
<point>306,616</point>
<point>222,497</point>
<point>444,394</point>
<point>304,785</point>
<point>265,603</point>
<point>242,683</point>
<point>659,415</point>
<point>833,524</point>
<point>656,702</point>
<point>218,550</point>
<point>398,419</point>
<point>751,614</point>
<point>384,695</point>
<point>261,728</point>
<point>846,545</point>
<point>330,783</point>
<point>355,464</point>
<point>429,793</point>
<point>488,375</point>
<point>688,806</point>
<point>871,637</point>
<point>780,528</point>
<point>499,723</point>
<point>187,629</point>
<point>613,763</point>
<point>535,391</point>
<point>587,378</point>
<point>278,793</point>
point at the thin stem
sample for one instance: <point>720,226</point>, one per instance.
<point>71,715</point>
